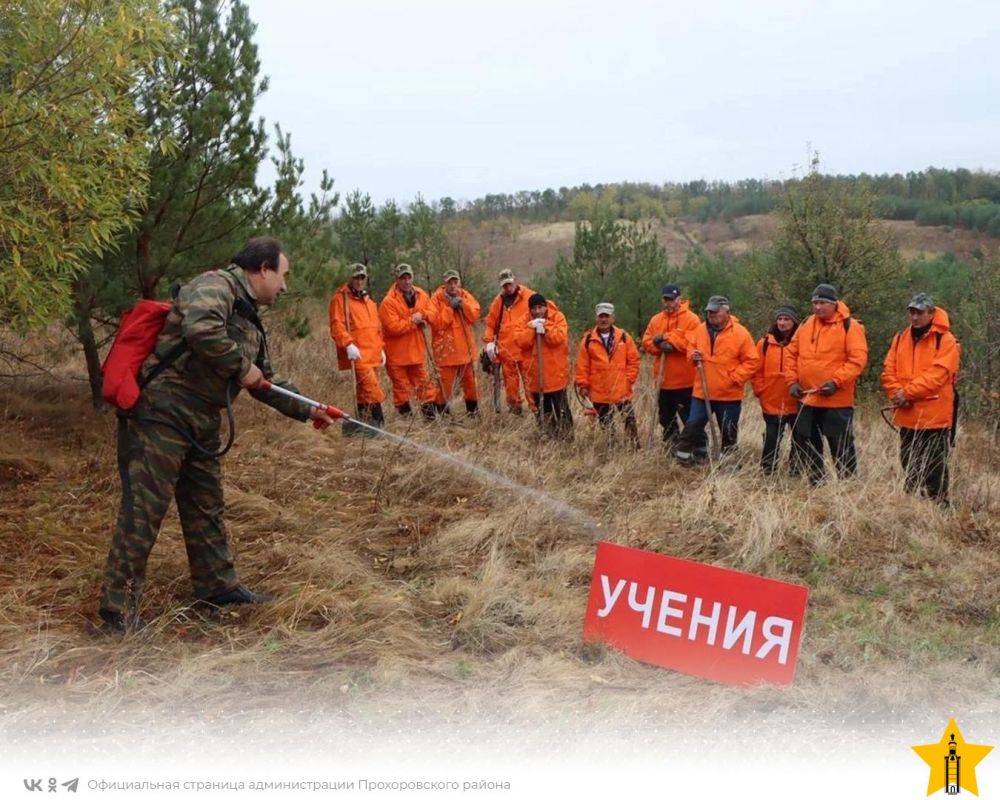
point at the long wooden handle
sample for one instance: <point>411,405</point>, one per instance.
<point>541,373</point>
<point>354,366</point>
<point>714,444</point>
<point>657,380</point>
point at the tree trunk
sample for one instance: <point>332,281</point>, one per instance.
<point>147,277</point>
<point>85,332</point>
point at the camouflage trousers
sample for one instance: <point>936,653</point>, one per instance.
<point>156,462</point>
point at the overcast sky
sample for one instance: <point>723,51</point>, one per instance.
<point>466,98</point>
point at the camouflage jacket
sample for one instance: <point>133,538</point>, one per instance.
<point>221,344</point>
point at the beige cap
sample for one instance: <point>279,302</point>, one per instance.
<point>605,308</point>
<point>404,269</point>
<point>452,273</point>
<point>507,276</point>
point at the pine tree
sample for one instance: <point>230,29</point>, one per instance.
<point>203,200</point>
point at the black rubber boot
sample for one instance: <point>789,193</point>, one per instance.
<point>472,407</point>
<point>238,595</point>
<point>378,418</point>
<point>429,410</point>
<point>115,623</point>
<point>404,409</point>
<point>368,417</point>
<point>350,428</point>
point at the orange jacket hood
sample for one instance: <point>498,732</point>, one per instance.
<point>940,323</point>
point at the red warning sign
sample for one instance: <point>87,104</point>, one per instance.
<point>713,622</point>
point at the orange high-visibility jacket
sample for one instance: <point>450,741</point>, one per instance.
<point>366,328</point>
<point>555,351</point>
<point>676,371</point>
<point>404,340</point>
<point>608,376</point>
<point>502,323</point>
<point>453,339</point>
<point>729,362</point>
<point>925,371</point>
<point>833,350</point>
<point>769,379</point>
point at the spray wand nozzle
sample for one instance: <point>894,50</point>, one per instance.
<point>330,411</point>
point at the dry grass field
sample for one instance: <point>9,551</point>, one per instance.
<point>535,247</point>
<point>404,583</point>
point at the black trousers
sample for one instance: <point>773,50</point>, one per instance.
<point>836,425</point>
<point>924,455</point>
<point>556,417</point>
<point>606,417</point>
<point>774,432</point>
<point>674,406</point>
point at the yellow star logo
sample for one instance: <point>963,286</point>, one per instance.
<point>952,761</point>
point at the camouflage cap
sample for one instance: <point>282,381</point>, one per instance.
<point>452,273</point>
<point>922,302</point>
<point>404,269</point>
<point>716,301</point>
<point>359,269</point>
<point>605,308</point>
<point>507,276</point>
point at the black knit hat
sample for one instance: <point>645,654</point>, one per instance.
<point>825,291</point>
<point>536,300</point>
<point>788,311</point>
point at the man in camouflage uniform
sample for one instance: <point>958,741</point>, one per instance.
<point>211,345</point>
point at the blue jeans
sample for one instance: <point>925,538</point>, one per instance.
<point>726,412</point>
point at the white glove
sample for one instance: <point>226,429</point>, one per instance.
<point>491,350</point>
<point>353,354</point>
<point>538,324</point>
<point>383,358</point>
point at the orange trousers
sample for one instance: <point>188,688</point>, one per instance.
<point>512,381</point>
<point>448,375</point>
<point>411,381</point>
<point>367,388</point>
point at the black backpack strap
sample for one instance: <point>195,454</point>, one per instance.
<point>847,324</point>
<point>766,343</point>
<point>938,335</point>
<point>169,358</point>
<point>171,355</point>
<point>244,308</point>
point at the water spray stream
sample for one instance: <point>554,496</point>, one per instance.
<point>558,507</point>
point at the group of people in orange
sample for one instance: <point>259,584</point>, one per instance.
<point>803,373</point>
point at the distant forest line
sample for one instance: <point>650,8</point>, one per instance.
<point>954,197</point>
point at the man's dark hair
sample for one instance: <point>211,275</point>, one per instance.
<point>258,253</point>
